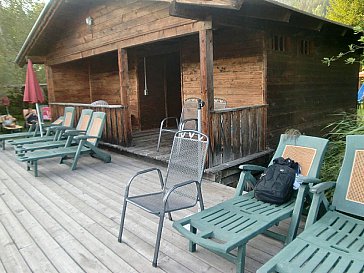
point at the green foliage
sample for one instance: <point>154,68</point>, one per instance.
<point>350,12</point>
<point>346,124</point>
<point>16,19</point>
<point>317,7</point>
<point>354,53</point>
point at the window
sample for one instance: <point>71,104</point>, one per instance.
<point>304,47</point>
<point>279,43</point>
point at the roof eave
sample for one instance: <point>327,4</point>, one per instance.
<point>39,25</point>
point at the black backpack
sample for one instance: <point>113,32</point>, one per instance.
<point>276,183</point>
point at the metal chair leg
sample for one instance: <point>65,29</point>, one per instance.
<point>159,139</point>
<point>123,212</point>
<point>158,240</point>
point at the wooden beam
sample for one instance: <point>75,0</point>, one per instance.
<point>50,87</point>
<point>187,11</point>
<point>36,59</point>
<point>207,80</point>
<point>124,90</point>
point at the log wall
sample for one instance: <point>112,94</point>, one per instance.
<point>302,92</point>
<point>116,24</point>
<point>238,67</point>
<point>70,83</point>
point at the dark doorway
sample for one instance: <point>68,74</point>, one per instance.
<point>164,89</point>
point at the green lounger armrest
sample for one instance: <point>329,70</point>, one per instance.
<point>74,132</point>
<point>252,168</point>
<point>84,137</point>
<point>324,186</point>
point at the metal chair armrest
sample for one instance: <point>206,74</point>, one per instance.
<point>144,172</point>
<point>176,186</point>
<point>168,118</point>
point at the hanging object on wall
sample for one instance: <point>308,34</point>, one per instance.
<point>89,22</point>
<point>146,92</point>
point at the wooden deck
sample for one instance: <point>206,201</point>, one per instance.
<point>66,221</point>
<point>144,144</point>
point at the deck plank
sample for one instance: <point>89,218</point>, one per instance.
<point>70,221</point>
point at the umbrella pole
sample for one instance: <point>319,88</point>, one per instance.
<point>39,119</point>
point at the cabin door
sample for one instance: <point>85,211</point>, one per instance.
<point>163,96</point>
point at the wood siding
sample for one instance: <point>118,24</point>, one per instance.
<point>71,82</point>
<point>117,24</point>
<point>238,67</point>
<point>303,93</point>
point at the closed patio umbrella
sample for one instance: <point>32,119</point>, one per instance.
<point>33,93</point>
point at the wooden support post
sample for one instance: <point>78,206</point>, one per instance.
<point>50,87</point>
<point>124,90</point>
<point>207,79</point>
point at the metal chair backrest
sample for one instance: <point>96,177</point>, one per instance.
<point>349,192</point>
<point>189,111</point>
<point>96,127</point>
<point>307,151</point>
<point>84,119</point>
<point>187,162</point>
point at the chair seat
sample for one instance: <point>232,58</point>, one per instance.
<point>229,224</point>
<point>153,202</point>
<point>335,243</point>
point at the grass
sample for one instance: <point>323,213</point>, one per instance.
<point>346,124</point>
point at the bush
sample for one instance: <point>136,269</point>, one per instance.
<point>346,124</point>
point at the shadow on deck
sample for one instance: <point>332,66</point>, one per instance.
<point>144,145</point>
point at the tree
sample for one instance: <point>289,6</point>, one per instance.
<point>350,12</point>
<point>16,19</point>
<point>317,7</point>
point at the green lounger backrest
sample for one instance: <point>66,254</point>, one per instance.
<point>349,192</point>
<point>96,127</point>
<point>84,119</point>
<point>69,116</point>
<point>308,151</point>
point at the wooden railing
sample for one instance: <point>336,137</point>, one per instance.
<point>237,132</point>
<point>115,131</point>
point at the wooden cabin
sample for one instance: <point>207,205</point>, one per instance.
<point>262,57</point>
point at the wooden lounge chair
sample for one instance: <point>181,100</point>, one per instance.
<point>68,120</point>
<point>229,225</point>
<point>82,126</point>
<point>33,131</point>
<point>181,188</point>
<point>87,144</point>
<point>335,242</point>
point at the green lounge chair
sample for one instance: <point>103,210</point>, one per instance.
<point>87,144</point>
<point>228,226</point>
<point>82,126</point>
<point>69,113</point>
<point>335,242</point>
<point>180,189</point>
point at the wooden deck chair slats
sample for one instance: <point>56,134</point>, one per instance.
<point>228,226</point>
<point>334,242</point>
<point>68,151</point>
<point>82,126</point>
<point>68,120</point>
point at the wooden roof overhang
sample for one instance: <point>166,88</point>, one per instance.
<point>232,13</point>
